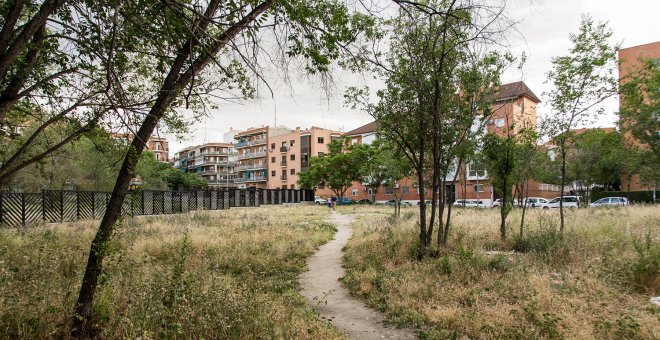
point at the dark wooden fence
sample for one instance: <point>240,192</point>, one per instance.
<point>23,209</point>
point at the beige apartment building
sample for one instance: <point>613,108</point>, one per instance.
<point>289,155</point>
<point>213,162</point>
<point>252,150</point>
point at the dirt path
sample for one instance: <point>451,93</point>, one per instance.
<point>322,289</point>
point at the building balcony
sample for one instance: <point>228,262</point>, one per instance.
<point>284,164</point>
<point>284,149</point>
<point>244,144</point>
<point>249,167</point>
<point>214,153</point>
<point>252,155</point>
<point>283,178</point>
<point>250,179</point>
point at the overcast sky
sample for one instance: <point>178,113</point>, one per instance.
<point>543,32</point>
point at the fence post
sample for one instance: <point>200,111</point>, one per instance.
<point>43,205</point>
<point>23,208</point>
<point>61,206</point>
<point>93,204</point>
<point>77,205</point>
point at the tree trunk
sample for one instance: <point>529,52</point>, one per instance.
<point>524,208</point>
<point>503,208</point>
<point>422,214</point>
<point>561,189</point>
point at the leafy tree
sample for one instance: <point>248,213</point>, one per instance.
<point>190,49</point>
<point>90,163</point>
<point>581,81</point>
<point>437,86</point>
<point>501,164</point>
<point>337,170</point>
<point>596,158</point>
<point>526,158</point>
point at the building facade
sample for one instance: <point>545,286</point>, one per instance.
<point>156,144</point>
<point>630,60</point>
<point>513,110</point>
<point>213,162</point>
<point>289,155</point>
<point>252,149</point>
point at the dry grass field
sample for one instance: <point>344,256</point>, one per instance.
<point>593,283</point>
<point>224,274</point>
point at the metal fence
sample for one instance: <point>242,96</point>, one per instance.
<point>23,209</point>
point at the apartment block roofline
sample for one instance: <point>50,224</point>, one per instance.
<point>364,129</point>
<point>637,46</point>
<point>515,90</point>
<point>205,145</point>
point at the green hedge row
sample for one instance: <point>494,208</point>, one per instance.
<point>633,196</point>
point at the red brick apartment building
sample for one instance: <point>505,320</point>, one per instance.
<point>629,61</point>
<point>515,105</point>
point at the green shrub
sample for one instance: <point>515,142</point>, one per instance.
<point>633,196</point>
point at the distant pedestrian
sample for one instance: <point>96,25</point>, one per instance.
<point>334,202</point>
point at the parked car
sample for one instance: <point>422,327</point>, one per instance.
<point>610,201</point>
<point>393,202</point>
<point>319,200</point>
<point>535,202</point>
<point>364,201</point>
<point>469,203</point>
<point>498,202</point>
<point>569,202</point>
<point>346,200</point>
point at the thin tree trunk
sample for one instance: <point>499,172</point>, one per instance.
<point>524,208</point>
<point>503,208</point>
<point>561,189</point>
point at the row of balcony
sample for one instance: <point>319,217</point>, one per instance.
<point>243,144</point>
<point>197,164</point>
<point>213,172</point>
<point>249,167</point>
<point>251,179</point>
<point>252,155</point>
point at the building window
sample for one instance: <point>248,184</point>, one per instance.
<point>292,142</point>
<point>292,186</point>
<point>293,171</point>
<point>272,159</point>
<point>354,192</point>
<point>272,145</point>
<point>273,173</point>
<point>321,154</point>
<point>321,186</point>
<point>499,122</point>
<point>389,191</point>
<point>320,140</point>
<point>477,170</point>
<point>354,141</point>
<point>370,192</point>
<point>478,188</point>
<point>293,157</point>
<point>405,190</point>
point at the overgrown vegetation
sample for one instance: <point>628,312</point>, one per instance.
<point>224,275</point>
<point>595,281</point>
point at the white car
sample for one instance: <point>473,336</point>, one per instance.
<point>535,202</point>
<point>469,203</point>
<point>319,200</point>
<point>610,201</point>
<point>498,202</point>
<point>569,202</point>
